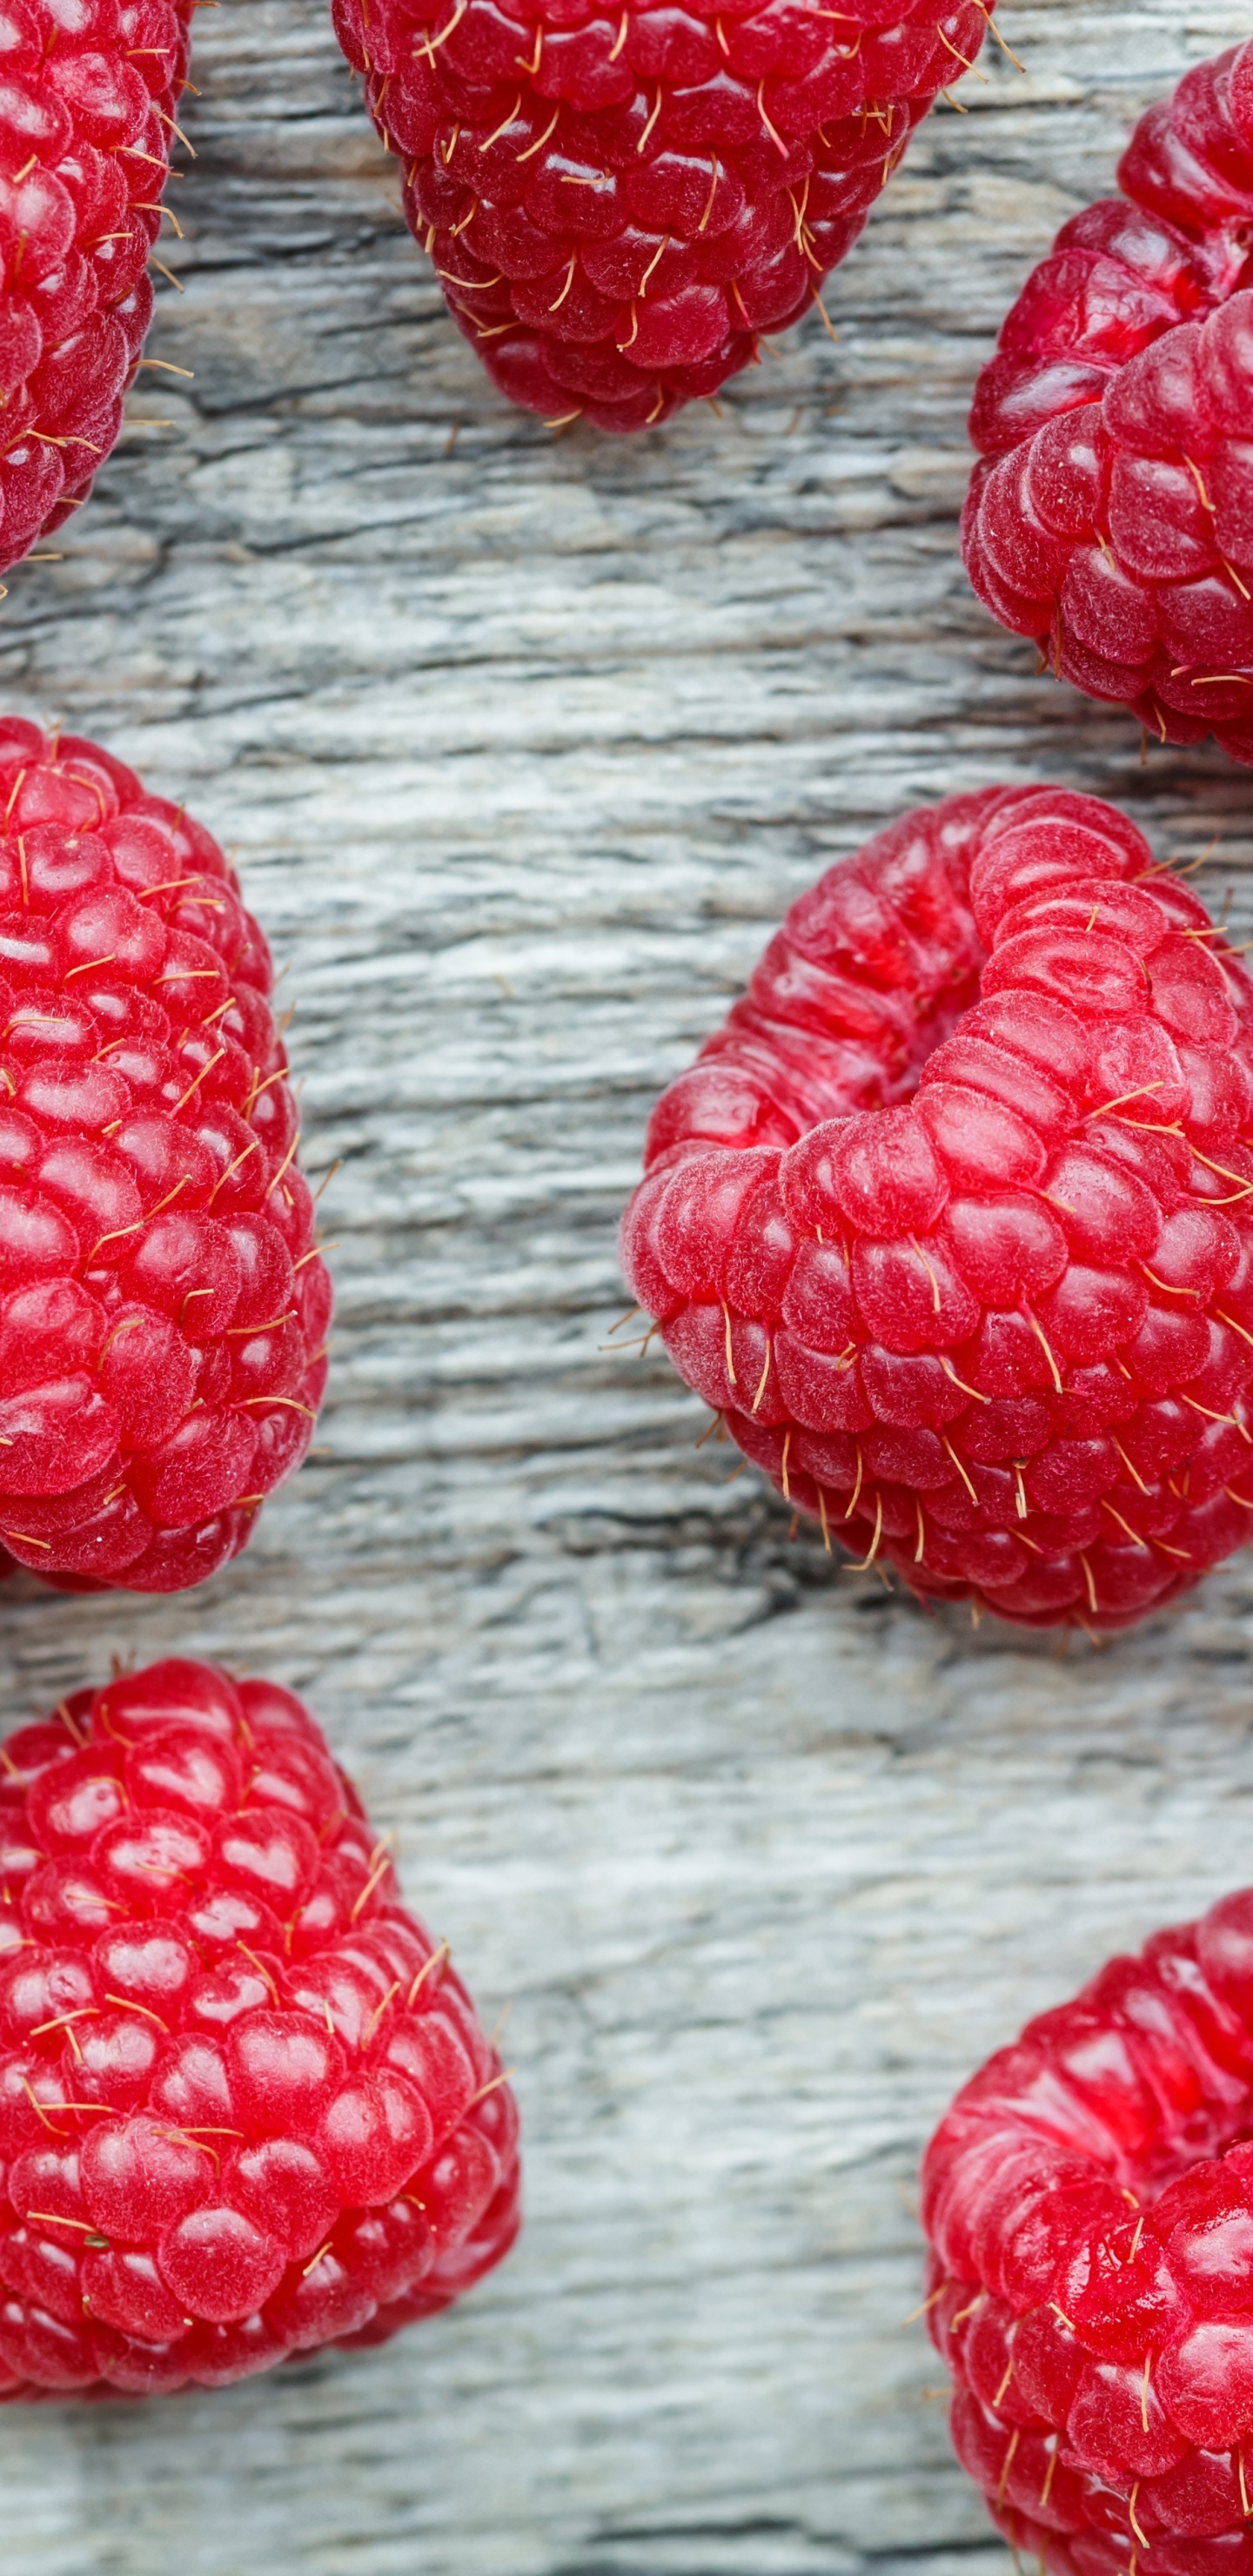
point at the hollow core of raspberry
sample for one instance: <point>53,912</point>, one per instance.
<point>952,1221</point>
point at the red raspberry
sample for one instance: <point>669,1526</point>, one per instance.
<point>972,1278</point>
<point>162,1308</point>
<point>85,125</point>
<point>620,199</point>
<point>246,2107</point>
<point>1089,2205</point>
<point>1112,514</point>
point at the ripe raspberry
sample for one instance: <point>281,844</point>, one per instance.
<point>1089,2205</point>
<point>1111,515</point>
<point>619,200</point>
<point>85,124</point>
<point>246,2107</point>
<point>162,1308</point>
<point>972,1278</point>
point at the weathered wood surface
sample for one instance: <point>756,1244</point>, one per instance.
<point>524,745</point>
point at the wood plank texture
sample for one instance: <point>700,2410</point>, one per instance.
<point>524,745</point>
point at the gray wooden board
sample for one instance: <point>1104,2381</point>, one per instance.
<point>524,744</point>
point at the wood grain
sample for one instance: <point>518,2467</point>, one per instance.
<point>524,745</point>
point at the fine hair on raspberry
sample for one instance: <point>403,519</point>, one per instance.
<point>163,1307</point>
<point>952,1221</point>
<point>246,2105</point>
<point>620,199</point>
<point>86,119</point>
<point>1111,513</point>
<point>1088,2204</point>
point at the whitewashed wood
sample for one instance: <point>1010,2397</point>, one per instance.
<point>525,744</point>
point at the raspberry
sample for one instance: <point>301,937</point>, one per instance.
<point>85,124</point>
<point>246,2107</point>
<point>952,1221</point>
<point>1111,515</point>
<point>162,1308</point>
<point>1088,2202</point>
<point>620,200</point>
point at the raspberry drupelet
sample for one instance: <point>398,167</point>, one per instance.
<point>1088,2202</point>
<point>87,100</point>
<point>619,199</point>
<point>163,1309</point>
<point>246,2106</point>
<point>1111,514</point>
<point>952,1221</point>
